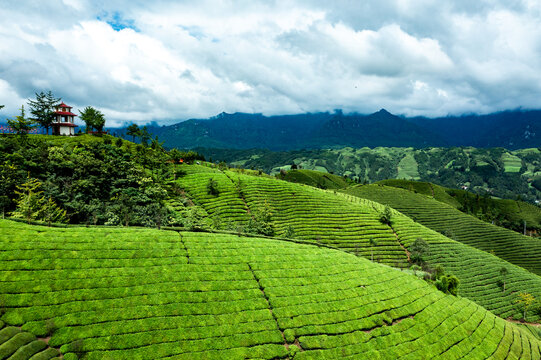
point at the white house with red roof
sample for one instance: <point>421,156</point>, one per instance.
<point>64,120</point>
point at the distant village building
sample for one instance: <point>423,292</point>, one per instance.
<point>64,122</point>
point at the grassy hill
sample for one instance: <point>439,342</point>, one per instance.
<point>348,223</point>
<point>315,178</point>
<point>503,212</point>
<point>518,249</point>
<point>104,293</point>
<point>312,214</point>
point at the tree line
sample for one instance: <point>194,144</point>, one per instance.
<point>42,110</point>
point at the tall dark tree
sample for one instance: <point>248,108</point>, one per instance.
<point>93,118</point>
<point>133,131</point>
<point>42,109</point>
<point>145,136</point>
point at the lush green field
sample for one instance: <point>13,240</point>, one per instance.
<point>507,213</point>
<point>478,271</point>
<point>16,344</point>
<point>111,293</point>
<point>348,223</point>
<point>315,178</point>
<point>311,213</point>
<point>518,249</point>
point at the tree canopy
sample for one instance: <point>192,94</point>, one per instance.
<point>133,131</point>
<point>42,109</point>
<point>21,125</point>
<point>93,118</point>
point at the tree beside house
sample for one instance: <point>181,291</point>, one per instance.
<point>50,112</point>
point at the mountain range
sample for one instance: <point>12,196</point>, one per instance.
<point>510,129</point>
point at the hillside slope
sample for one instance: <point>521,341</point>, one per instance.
<point>315,178</point>
<point>508,213</point>
<point>348,223</point>
<point>520,250</point>
<point>110,293</point>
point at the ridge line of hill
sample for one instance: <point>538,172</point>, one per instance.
<point>508,129</point>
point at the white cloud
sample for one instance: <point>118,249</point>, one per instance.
<point>165,60</point>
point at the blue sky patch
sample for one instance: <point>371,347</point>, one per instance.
<point>117,21</point>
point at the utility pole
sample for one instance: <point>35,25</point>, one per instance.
<point>524,227</point>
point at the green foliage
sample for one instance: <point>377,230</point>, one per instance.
<point>448,284</point>
<point>261,221</point>
<point>503,272</point>
<point>134,131</point>
<point>386,216</point>
<point>119,142</point>
<point>195,219</point>
<point>314,178</point>
<point>93,118</point>
<point>449,167</point>
<point>43,108</point>
<point>372,243</point>
<point>9,178</point>
<point>438,271</point>
<point>94,181</point>
<point>289,335</point>
<point>289,233</point>
<point>32,205</point>
<point>419,250</point>
<point>525,300</point>
<point>142,293</point>
<point>21,125</point>
<point>520,250</point>
<point>145,136</point>
<point>212,187</point>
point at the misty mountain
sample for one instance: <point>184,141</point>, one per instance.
<point>511,129</point>
<point>286,132</point>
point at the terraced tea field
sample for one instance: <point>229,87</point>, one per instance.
<point>22,345</point>
<point>478,271</point>
<point>518,249</point>
<point>312,213</point>
<point>112,293</point>
<point>348,223</point>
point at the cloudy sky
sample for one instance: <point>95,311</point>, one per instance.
<point>166,61</point>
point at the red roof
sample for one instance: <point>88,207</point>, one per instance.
<point>64,113</point>
<point>64,105</point>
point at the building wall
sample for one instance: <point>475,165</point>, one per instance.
<point>66,130</point>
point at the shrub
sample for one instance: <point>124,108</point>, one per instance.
<point>448,284</point>
<point>289,334</point>
<point>386,216</point>
<point>212,187</point>
<point>290,232</point>
<point>418,250</point>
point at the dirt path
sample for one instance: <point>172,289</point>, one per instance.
<point>408,254</point>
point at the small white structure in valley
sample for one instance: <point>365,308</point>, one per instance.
<point>64,120</point>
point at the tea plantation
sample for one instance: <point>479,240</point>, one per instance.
<point>520,250</point>
<point>114,293</point>
<point>349,223</point>
<point>313,214</point>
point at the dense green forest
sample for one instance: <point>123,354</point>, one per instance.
<point>495,171</point>
<point>95,180</point>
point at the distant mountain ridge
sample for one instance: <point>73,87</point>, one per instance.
<point>511,130</point>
